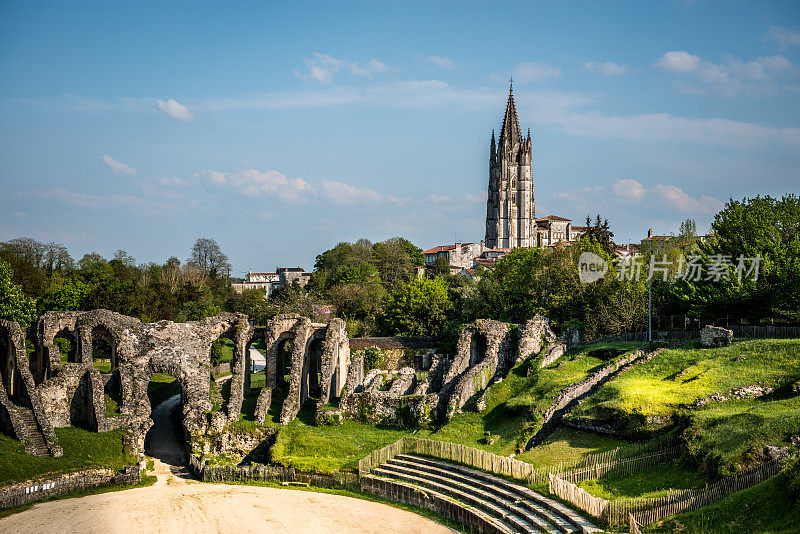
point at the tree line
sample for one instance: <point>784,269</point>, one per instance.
<point>376,289</point>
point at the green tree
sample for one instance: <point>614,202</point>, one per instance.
<point>418,309</point>
<point>688,229</point>
<point>14,303</point>
<point>762,227</point>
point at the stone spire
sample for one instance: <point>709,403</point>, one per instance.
<point>510,131</point>
<point>493,149</point>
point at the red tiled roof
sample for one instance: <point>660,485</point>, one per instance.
<point>441,248</point>
<point>580,228</point>
<point>553,218</point>
<point>486,262</point>
<point>263,274</point>
<point>661,237</point>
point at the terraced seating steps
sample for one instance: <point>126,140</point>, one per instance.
<point>518,507</point>
<point>481,520</point>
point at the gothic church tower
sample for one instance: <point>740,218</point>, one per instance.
<point>510,208</point>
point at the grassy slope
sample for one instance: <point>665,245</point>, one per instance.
<point>82,449</point>
<point>509,405</point>
<point>764,508</point>
<point>681,376</point>
<point>723,435</point>
<point>514,405</point>
<point>652,482</point>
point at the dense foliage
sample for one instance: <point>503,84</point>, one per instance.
<point>49,277</point>
<point>375,287</point>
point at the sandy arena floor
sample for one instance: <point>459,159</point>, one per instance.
<point>178,504</point>
<point>175,504</point>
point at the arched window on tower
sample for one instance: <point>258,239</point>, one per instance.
<point>513,198</point>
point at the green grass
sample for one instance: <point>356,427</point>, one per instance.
<point>681,376</point>
<point>724,436</point>
<point>104,366</point>
<point>568,445</point>
<point>112,402</point>
<point>652,482</point>
<point>258,380</point>
<point>764,508</point>
<point>514,406</point>
<point>328,448</point>
<point>82,449</point>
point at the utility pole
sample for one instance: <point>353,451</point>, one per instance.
<point>650,313</point>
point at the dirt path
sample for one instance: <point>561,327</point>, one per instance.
<point>162,441</point>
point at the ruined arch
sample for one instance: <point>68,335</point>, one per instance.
<point>103,343</point>
<point>311,381</point>
<point>9,372</point>
<point>477,347</point>
<point>73,353</point>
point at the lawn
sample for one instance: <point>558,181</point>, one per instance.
<point>510,404</point>
<point>104,366</point>
<point>764,508</point>
<point>723,436</point>
<point>222,350</point>
<point>328,448</point>
<point>681,376</point>
<point>652,482</point>
<point>569,445</point>
<point>515,405</point>
<point>82,449</point>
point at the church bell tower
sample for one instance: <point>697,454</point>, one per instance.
<point>510,207</point>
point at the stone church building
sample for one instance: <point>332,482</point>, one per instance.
<point>510,206</point>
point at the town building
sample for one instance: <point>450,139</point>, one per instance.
<point>269,282</point>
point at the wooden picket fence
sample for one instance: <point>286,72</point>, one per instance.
<point>647,510</point>
<point>620,466</point>
<point>381,456</point>
<point>739,332</point>
<point>617,458</point>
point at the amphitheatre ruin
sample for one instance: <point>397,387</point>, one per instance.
<point>41,392</point>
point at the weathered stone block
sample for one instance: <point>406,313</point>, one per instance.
<point>715,336</point>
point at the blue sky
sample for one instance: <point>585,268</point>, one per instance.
<point>282,128</point>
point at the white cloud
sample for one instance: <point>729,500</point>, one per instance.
<point>174,110</point>
<point>252,182</point>
<point>529,72</point>
<point>608,68</point>
<point>373,66</point>
<point>436,199</point>
<point>785,37</point>
<point>441,61</point>
<point>342,194</point>
<point>117,167</point>
<point>629,189</point>
<point>678,61</point>
<point>732,76</point>
<point>675,197</point>
<point>323,67</point>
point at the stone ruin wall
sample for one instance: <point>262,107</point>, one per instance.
<point>485,352</point>
<point>320,366</point>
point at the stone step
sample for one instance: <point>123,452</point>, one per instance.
<point>486,502</point>
<point>495,524</point>
<point>533,513</point>
<point>36,444</point>
<point>570,520</point>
